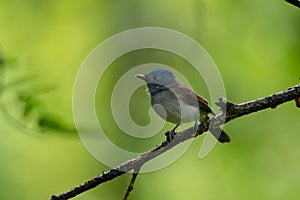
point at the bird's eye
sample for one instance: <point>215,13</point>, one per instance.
<point>155,77</point>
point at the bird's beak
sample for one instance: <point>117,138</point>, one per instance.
<point>142,76</point>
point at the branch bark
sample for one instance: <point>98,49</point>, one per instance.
<point>229,110</point>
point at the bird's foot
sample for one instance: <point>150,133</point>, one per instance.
<point>196,126</point>
<point>170,135</point>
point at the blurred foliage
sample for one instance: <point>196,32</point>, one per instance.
<point>19,100</point>
<point>255,45</point>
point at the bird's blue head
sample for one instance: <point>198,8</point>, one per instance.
<point>159,76</point>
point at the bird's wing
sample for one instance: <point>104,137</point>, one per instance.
<point>186,95</point>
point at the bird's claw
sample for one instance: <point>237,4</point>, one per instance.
<point>170,135</point>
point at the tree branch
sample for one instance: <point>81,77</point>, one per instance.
<point>229,110</point>
<point>294,2</point>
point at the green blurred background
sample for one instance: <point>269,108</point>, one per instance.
<point>255,45</point>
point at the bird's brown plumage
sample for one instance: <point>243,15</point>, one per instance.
<point>187,95</point>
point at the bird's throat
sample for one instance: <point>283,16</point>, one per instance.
<point>154,88</point>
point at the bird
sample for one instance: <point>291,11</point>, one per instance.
<point>177,103</point>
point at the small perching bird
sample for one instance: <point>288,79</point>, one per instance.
<point>177,103</point>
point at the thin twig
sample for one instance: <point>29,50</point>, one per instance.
<point>231,112</point>
<point>294,2</point>
<point>132,181</point>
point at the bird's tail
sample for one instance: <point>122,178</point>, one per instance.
<point>220,135</point>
